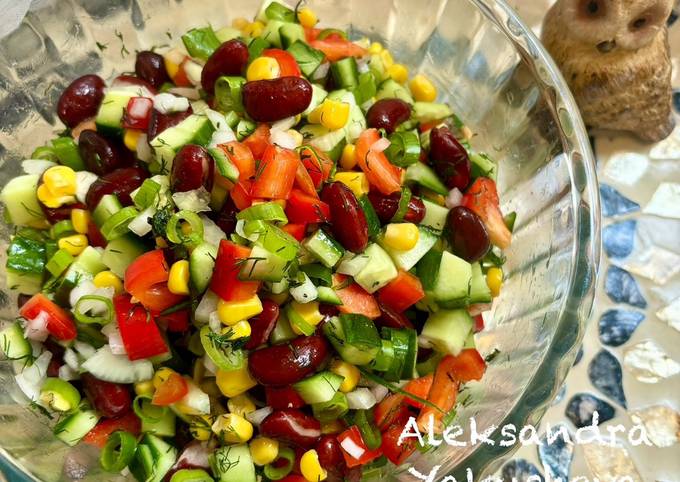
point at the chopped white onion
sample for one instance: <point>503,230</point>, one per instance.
<point>87,288</point>
<point>36,166</point>
<point>353,266</point>
<point>144,152</point>
<point>284,124</point>
<point>175,56</point>
<point>85,350</point>
<point>190,93</point>
<point>212,234</point>
<point>84,179</point>
<point>193,70</point>
<point>194,454</point>
<point>454,198</point>
<point>206,306</point>
<point>217,119</point>
<point>380,145</point>
<point>140,225</point>
<point>196,200</point>
<point>321,71</point>
<point>214,322</point>
<point>36,329</point>
<point>283,139</point>
<point>71,359</point>
<point>479,308</point>
<point>166,103</point>
<point>379,392</point>
<point>222,136</point>
<point>362,66</point>
<point>112,332</point>
<point>30,380</point>
<point>239,230</point>
<point>351,447</point>
<point>259,415</point>
<point>67,373</point>
<point>305,292</point>
<point>196,399</point>
<point>210,367</point>
<point>360,399</point>
<point>424,342</point>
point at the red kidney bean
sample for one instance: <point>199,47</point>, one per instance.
<point>109,399</point>
<point>263,324</point>
<point>192,168</point>
<point>467,234</point>
<point>230,58</point>
<point>282,398</point>
<point>386,206</point>
<point>276,99</point>
<point>100,154</point>
<point>94,235</point>
<point>328,310</point>
<point>22,299</point>
<point>159,122</point>
<point>54,215</point>
<point>150,66</point>
<point>120,182</point>
<point>349,221</point>
<point>81,99</point>
<point>226,217</point>
<point>286,364</point>
<point>388,114</point>
<point>132,81</point>
<point>330,455</point>
<point>449,158</point>
<point>292,426</point>
<point>393,319</point>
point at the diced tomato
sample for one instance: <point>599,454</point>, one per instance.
<point>467,366</point>
<point>402,292</point>
<point>305,209</point>
<point>95,236</point>
<point>479,323</point>
<point>295,230</point>
<point>282,398</point>
<point>275,174</point>
<point>60,324</point>
<point>354,449</point>
<point>140,334</point>
<point>146,279</point>
<point>304,181</point>
<point>181,79</point>
<point>354,298</point>
<point>318,165</point>
<point>287,63</point>
<point>177,322</point>
<point>258,141</point>
<point>242,158</point>
<point>240,194</point>
<point>338,48</point>
<point>138,113</point>
<point>225,281</point>
<point>382,174</point>
<point>420,387</point>
<point>170,391</point>
<point>390,411</point>
<point>99,435</point>
<point>482,199</point>
<point>395,453</point>
<point>311,33</point>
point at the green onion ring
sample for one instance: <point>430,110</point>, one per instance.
<point>278,473</point>
<point>118,451</point>
<point>103,319</point>
<point>174,231</point>
<point>142,410</point>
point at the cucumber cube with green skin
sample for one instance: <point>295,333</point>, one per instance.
<point>422,175</point>
<point>195,129</point>
<point>355,338</point>
<point>233,463</point>
<point>263,265</point>
<point>308,58</point>
<point>448,330</point>
<point>13,344</point>
<point>121,252</point>
<point>378,271</point>
<point>391,89</point>
<point>291,33</point>
<point>425,112</point>
<point>406,260</point>
<point>163,427</point>
<point>319,388</point>
<point>153,459</point>
<point>479,290</point>
<point>483,166</point>
<point>452,287</point>
<point>435,215</point>
<point>74,427</point>
<point>201,265</point>
<point>324,248</point>
<point>109,119</point>
<point>21,201</point>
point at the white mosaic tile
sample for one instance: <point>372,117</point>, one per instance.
<point>665,202</point>
<point>662,424</point>
<point>649,363</point>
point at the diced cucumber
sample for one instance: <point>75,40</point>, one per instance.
<point>282,332</point>
<point>479,290</point>
<point>324,248</point>
<point>420,174</point>
<point>117,368</point>
<point>318,96</point>
<point>307,57</point>
<point>354,337</point>
<point>331,142</point>
<point>447,330</point>
<point>435,215</point>
<point>107,207</point>
<point>345,73</point>
<point>153,459</point>
<point>378,271</point>
<point>13,344</point>
<point>274,239</point>
<point>201,265</point>
<point>109,119</point>
<point>121,252</point>
<point>372,219</point>
<point>391,89</point>
<point>263,265</point>
<point>227,33</point>
<point>26,258</point>
<point>303,291</point>
<point>74,427</point>
<point>331,410</point>
<point>425,112</point>
<point>26,283</point>
<point>384,359</point>
<point>366,89</point>
<point>224,165</point>
<point>21,201</point>
<point>233,463</point>
<point>291,33</point>
<point>328,295</point>
<point>470,341</point>
<point>453,282</point>
<point>163,427</point>
<point>298,322</point>
<point>271,32</point>
<point>405,348</point>
<point>356,123</point>
<point>428,268</point>
<point>279,11</point>
<point>195,129</point>
<point>262,11</point>
<point>407,259</point>
<point>483,166</point>
<point>377,67</point>
<point>428,366</point>
<point>319,388</point>
<point>87,264</point>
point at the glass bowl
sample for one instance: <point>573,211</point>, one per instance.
<point>499,80</point>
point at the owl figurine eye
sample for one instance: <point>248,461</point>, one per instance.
<point>593,9</point>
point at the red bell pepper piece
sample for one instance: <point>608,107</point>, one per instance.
<point>337,48</point>
<point>390,411</point>
<point>311,33</point>
<point>420,387</point>
<point>139,331</point>
<point>258,141</point>
<point>181,79</point>
<point>240,194</point>
<point>287,63</point>
<point>482,199</point>
<point>60,324</point>
<point>304,181</point>
<point>302,208</point>
<point>242,158</point>
<point>275,175</point>
<point>395,453</point>
<point>354,298</point>
<point>385,176</point>
<point>479,323</point>
<point>177,322</point>
<point>146,279</point>
<point>354,449</point>
<point>225,281</point>
<point>295,230</point>
<point>138,113</point>
<point>318,165</point>
<point>282,398</point>
<point>99,435</point>
<point>402,292</point>
<point>170,391</point>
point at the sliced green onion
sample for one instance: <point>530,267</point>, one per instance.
<point>510,219</point>
<point>101,319</point>
<point>201,42</point>
<point>62,228</point>
<point>366,89</point>
<point>221,350</point>
<point>385,357</point>
<point>269,211</point>
<point>146,194</point>
<point>191,475</point>
<point>403,205</point>
<point>244,128</point>
<point>257,46</point>
<point>58,263</point>
<point>118,451</point>
<point>278,473</point>
<point>369,432</point>
<point>117,225</point>
<point>228,93</point>
<point>224,164</point>
<point>404,148</point>
<point>278,11</point>
<point>68,154</point>
<point>232,119</point>
<point>46,153</point>
<point>174,230</point>
<point>331,410</point>
<point>146,411</point>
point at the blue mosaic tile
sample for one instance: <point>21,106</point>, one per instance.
<point>617,326</point>
<point>605,374</point>
<point>672,18</point>
<point>621,287</point>
<point>520,470</point>
<point>676,99</point>
<point>560,395</point>
<point>579,356</point>
<point>618,239</point>
<point>581,407</point>
<point>614,203</point>
<point>556,454</point>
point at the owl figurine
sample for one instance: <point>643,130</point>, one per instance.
<point>615,57</point>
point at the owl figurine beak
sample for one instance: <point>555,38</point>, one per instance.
<point>606,46</point>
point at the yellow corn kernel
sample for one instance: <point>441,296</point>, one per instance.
<point>348,160</point>
<point>80,218</point>
<point>234,382</point>
<point>231,312</point>
<point>264,450</point>
<point>307,17</point>
<point>401,236</point>
<point>130,138</point>
<point>349,372</point>
<point>263,68</point>
<point>240,23</point>
<point>50,200</point>
<point>494,280</point>
<point>375,48</point>
<point>178,280</point>
<point>144,388</point>
<point>74,244</point>
<point>106,279</point>
<point>238,330</point>
<point>334,426</point>
<point>398,72</point>
<point>170,67</point>
<point>356,181</point>
<point>308,311</point>
<point>162,374</point>
<point>232,428</point>
<point>387,59</point>
<point>254,29</point>
<point>241,405</point>
<point>311,467</point>
<point>331,114</point>
<point>299,139</point>
<point>279,299</point>
<point>422,89</point>
<point>200,427</point>
<point>60,181</point>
